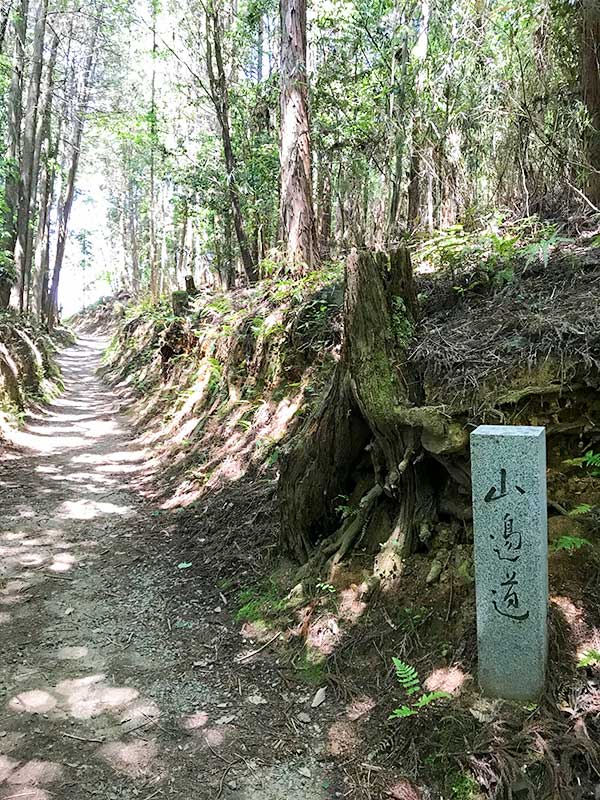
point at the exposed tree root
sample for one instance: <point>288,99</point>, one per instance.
<point>361,427</point>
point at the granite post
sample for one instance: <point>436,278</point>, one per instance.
<point>508,471</point>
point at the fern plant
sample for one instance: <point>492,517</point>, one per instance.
<point>580,510</point>
<point>570,543</point>
<point>590,460</point>
<point>589,659</point>
<point>408,679</point>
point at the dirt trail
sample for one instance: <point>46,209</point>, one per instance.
<point>113,686</point>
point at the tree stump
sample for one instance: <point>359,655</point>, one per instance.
<point>180,302</point>
<point>357,430</point>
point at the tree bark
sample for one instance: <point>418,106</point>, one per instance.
<point>64,210</point>
<point>397,137</point>
<point>153,251</point>
<point>296,204</point>
<point>356,429</point>
<point>591,93</point>
<point>324,204</point>
<point>220,97</point>
<point>45,170</point>
<point>416,167</point>
<point>28,172</point>
<point>4,17</point>
<point>11,185</point>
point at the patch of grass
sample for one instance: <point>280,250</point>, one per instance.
<point>464,787</point>
<point>14,415</point>
<point>312,668</point>
<point>260,602</point>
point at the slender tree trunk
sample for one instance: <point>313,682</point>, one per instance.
<point>153,252</point>
<point>398,139</point>
<point>260,53</point>
<point>220,98</point>
<point>414,184</point>
<point>296,206</point>
<point>43,242</point>
<point>181,261</point>
<point>38,248</point>
<point>11,185</point>
<point>43,228</point>
<point>64,211</point>
<point>28,174</point>
<point>42,133</point>
<point>324,204</point>
<point>4,17</point>
<point>591,93</point>
<point>133,242</point>
<point>416,166</point>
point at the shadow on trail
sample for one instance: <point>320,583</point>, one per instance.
<point>75,720</point>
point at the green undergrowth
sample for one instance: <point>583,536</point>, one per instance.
<point>490,253</point>
<point>29,373</point>
<point>311,667</point>
<point>262,601</point>
<point>234,362</point>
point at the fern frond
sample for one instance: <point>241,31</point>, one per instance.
<point>426,699</point>
<point>570,544</point>
<point>575,462</point>
<point>592,459</point>
<point>407,676</point>
<point>582,508</point>
<point>403,711</point>
<point>590,658</point>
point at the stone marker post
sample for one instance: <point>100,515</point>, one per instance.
<point>508,469</point>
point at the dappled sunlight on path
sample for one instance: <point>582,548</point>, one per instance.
<point>67,479</point>
<point>119,677</point>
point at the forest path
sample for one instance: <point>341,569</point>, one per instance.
<point>113,685</point>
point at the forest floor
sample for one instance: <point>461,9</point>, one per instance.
<point>147,649</point>
<point>115,684</point>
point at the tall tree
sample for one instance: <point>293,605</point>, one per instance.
<point>28,173</point>
<point>11,184</point>
<point>153,251</point>
<point>66,201</point>
<point>296,205</point>
<point>219,93</point>
<point>416,161</point>
<point>591,93</point>
<point>4,17</point>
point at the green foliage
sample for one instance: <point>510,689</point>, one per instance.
<point>539,251</point>
<point>411,619</point>
<point>345,509</point>
<point>589,461</point>
<point>326,587</point>
<point>489,254</point>
<point>589,659</point>
<point>408,679</point>
<point>464,787</point>
<point>570,544</point>
<point>581,510</point>
<point>403,327</point>
<point>216,375</point>
<point>592,462</point>
<point>312,668</point>
<point>260,602</point>
<point>13,413</point>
